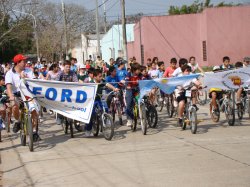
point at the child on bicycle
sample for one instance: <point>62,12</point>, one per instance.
<point>98,78</point>
<point>132,90</point>
<point>170,70</point>
<point>180,92</point>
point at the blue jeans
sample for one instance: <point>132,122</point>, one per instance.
<point>88,127</point>
<point>129,104</point>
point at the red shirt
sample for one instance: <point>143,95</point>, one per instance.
<point>169,71</point>
<point>133,80</point>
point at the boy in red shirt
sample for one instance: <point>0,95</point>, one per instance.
<point>170,70</point>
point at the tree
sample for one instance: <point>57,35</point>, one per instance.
<point>196,7</point>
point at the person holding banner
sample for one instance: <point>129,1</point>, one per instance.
<point>98,79</point>
<point>180,92</point>
<point>13,81</point>
<point>67,75</point>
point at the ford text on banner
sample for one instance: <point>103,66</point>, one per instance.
<point>228,80</point>
<point>73,100</point>
<point>167,85</point>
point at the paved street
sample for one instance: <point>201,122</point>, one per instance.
<point>218,155</point>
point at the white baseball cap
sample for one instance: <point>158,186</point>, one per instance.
<point>82,66</point>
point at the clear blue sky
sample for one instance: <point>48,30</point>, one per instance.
<point>137,6</point>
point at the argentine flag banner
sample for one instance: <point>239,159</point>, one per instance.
<point>167,85</point>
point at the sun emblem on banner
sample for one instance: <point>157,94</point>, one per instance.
<point>236,80</point>
<point>164,81</point>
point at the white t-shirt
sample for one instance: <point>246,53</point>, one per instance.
<point>154,73</point>
<point>13,78</point>
<point>177,72</point>
<point>194,68</point>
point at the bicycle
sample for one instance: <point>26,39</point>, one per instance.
<point>139,110</point>
<point>151,112</point>
<point>244,106</point>
<point>190,115</point>
<point>101,120</point>
<point>167,100</point>
<point>226,105</point>
<point>26,124</point>
<point>116,106</point>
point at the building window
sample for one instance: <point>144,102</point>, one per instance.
<point>204,50</point>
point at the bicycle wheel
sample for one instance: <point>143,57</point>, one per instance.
<point>135,112</point>
<point>160,103</point>
<point>230,115</point>
<point>215,113</point>
<point>7,120</point>
<point>70,124</point>
<point>95,125</point>
<point>119,111</point>
<point>108,126</point>
<point>144,121</point>
<point>193,121</point>
<point>30,132</point>
<point>78,126</point>
<point>248,104</point>
<point>240,111</point>
<point>23,130</point>
<point>152,117</point>
<point>65,125</point>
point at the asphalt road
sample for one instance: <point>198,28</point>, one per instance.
<point>218,155</point>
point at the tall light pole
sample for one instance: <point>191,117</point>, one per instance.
<point>65,29</point>
<point>105,15</point>
<point>97,29</point>
<point>124,35</point>
<point>35,31</point>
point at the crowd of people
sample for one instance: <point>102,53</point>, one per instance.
<point>114,76</point>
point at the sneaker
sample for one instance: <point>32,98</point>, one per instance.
<point>88,134</point>
<point>180,121</point>
<point>195,106</point>
<point>16,127</point>
<point>129,123</point>
<point>44,109</point>
<point>58,121</point>
<point>51,112</point>
<point>36,137</point>
<point>160,99</point>
<point>3,125</point>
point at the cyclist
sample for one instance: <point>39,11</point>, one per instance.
<point>98,78</point>
<point>82,75</point>
<point>144,73</point>
<point>195,66</point>
<point>113,80</point>
<point>121,71</point>
<point>226,64</point>
<point>170,70</point>
<point>178,71</point>
<point>66,75</point>
<point>240,90</point>
<point>180,92</point>
<point>215,93</point>
<point>90,77</point>
<point>13,81</point>
<point>132,90</point>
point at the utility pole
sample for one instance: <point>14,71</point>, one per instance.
<point>97,29</point>
<point>105,15</point>
<point>124,35</point>
<point>65,29</point>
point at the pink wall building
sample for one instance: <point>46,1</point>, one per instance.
<point>210,35</point>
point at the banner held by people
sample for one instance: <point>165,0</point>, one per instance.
<point>167,85</point>
<point>72,100</point>
<point>228,80</point>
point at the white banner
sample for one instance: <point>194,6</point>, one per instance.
<point>228,80</point>
<point>73,100</point>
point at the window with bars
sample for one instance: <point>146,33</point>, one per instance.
<point>204,50</point>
